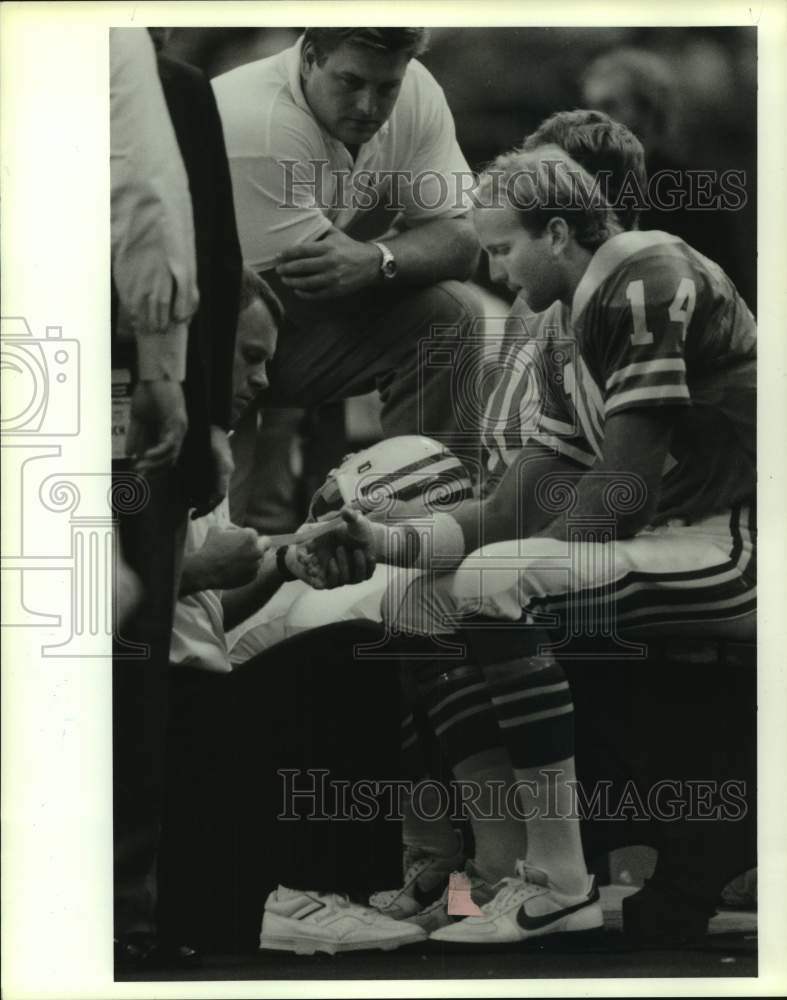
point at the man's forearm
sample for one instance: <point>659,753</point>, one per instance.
<point>436,251</point>
<point>195,575</point>
<point>241,602</point>
<point>594,506</point>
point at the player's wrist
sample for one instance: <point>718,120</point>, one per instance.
<point>287,563</point>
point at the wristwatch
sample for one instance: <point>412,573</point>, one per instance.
<point>388,266</point>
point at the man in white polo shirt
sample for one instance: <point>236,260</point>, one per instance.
<point>352,196</point>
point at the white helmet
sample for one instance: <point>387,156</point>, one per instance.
<point>409,469</point>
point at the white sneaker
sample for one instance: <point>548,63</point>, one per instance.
<point>526,907</point>
<point>425,879</point>
<point>432,918</point>
<point>307,922</point>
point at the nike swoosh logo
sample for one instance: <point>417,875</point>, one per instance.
<point>533,923</point>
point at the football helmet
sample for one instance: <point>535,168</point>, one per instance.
<point>405,475</point>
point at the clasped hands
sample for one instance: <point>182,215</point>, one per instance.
<point>329,268</point>
<point>232,556</point>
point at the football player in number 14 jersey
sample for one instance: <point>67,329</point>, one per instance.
<point>663,385</point>
<point>661,326</point>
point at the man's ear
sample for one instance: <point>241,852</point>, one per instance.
<point>308,57</point>
<point>559,235</point>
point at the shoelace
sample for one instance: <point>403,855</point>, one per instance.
<point>514,890</point>
<point>414,869</point>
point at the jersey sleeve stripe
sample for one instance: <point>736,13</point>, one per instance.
<point>649,395</point>
<point>645,368</point>
<point>562,447</point>
<point>654,379</point>
<point>557,426</point>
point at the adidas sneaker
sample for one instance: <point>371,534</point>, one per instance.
<point>307,922</point>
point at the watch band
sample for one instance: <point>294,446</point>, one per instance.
<point>281,564</point>
<point>388,266</point>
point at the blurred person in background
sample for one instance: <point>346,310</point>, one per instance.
<point>638,88</point>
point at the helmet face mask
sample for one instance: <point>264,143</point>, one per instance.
<point>403,476</point>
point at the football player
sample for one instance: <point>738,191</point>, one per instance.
<point>657,529</point>
<point>527,409</point>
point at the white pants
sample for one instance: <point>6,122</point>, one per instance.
<point>692,578</point>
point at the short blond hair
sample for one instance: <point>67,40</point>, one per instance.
<point>545,183</point>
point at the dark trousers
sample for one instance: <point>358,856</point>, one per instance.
<point>152,538</point>
<point>417,346</point>
<point>307,707</point>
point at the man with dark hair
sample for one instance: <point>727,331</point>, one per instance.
<point>352,198</point>
<point>411,41</point>
<point>606,149</point>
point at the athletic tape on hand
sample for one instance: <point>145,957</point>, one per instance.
<point>307,533</point>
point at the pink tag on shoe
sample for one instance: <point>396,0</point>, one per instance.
<point>460,902</point>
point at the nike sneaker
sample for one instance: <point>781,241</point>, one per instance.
<point>525,907</point>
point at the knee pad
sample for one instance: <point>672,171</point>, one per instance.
<point>459,710</point>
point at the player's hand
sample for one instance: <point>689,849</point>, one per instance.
<point>157,424</point>
<point>163,300</point>
<point>229,558</point>
<point>223,467</point>
<point>344,555</point>
<point>329,268</point>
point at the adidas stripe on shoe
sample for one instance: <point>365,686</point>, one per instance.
<point>308,922</point>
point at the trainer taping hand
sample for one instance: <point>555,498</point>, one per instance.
<point>229,558</point>
<point>345,555</point>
